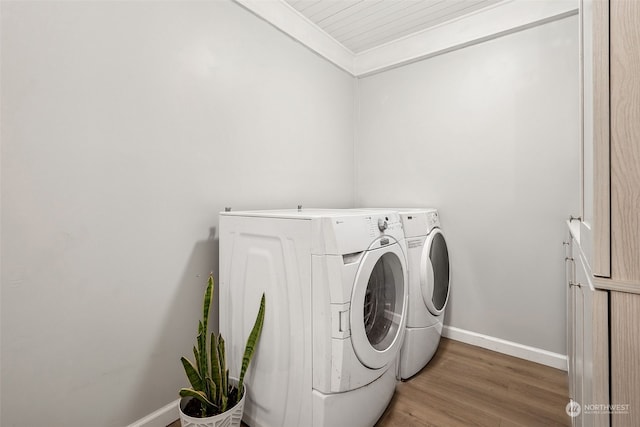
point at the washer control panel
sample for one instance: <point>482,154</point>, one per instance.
<point>354,233</point>
<point>420,222</point>
<point>433,220</point>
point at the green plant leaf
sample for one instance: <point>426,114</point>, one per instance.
<point>207,303</point>
<point>202,362</point>
<point>198,366</point>
<point>197,350</point>
<point>224,398</point>
<point>192,374</point>
<point>189,392</point>
<point>196,357</point>
<point>252,341</point>
<point>212,390</point>
<point>216,373</point>
<point>223,367</point>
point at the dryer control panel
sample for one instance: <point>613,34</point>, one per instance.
<point>379,225</point>
<point>420,222</point>
<point>355,233</point>
<point>432,220</point>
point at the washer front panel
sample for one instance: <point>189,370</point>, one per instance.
<point>378,306</point>
<point>435,272</point>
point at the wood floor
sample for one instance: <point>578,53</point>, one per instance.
<point>466,386</point>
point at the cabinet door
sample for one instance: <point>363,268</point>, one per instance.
<point>595,227</point>
<point>569,281</point>
<point>625,358</point>
<point>587,83</point>
<point>596,356</point>
<point>575,330</point>
<point>625,140</point>
<point>588,351</point>
<point>585,299</point>
<point>578,350</point>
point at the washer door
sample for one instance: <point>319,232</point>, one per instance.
<point>378,306</point>
<point>435,273</point>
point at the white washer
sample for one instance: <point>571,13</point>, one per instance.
<point>429,285</point>
<point>336,295</point>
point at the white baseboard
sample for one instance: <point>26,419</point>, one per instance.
<point>160,418</point>
<point>533,354</point>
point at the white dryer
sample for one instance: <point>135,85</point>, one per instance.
<point>429,284</point>
<point>336,294</point>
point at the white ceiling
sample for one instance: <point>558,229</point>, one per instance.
<point>368,36</point>
<point>360,25</point>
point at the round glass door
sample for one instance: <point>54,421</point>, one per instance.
<point>378,306</point>
<point>435,272</point>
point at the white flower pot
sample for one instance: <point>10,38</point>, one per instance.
<point>231,418</point>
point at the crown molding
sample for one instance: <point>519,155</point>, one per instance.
<point>291,22</point>
<point>485,24</point>
<point>500,19</point>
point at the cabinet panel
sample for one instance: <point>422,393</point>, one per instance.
<point>601,225</point>
<point>601,354</point>
<point>578,351</point>
<point>596,356</point>
<point>625,357</point>
<point>625,139</point>
<point>588,86</point>
<point>588,342</point>
<point>575,330</point>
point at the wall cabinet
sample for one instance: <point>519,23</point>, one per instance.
<point>607,259</point>
<point>611,139</point>
<point>587,340</point>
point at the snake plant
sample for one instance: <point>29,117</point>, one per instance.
<point>209,376</point>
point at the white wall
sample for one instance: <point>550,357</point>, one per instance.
<point>489,135</point>
<point>126,128</point>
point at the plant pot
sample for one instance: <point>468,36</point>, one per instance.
<point>230,418</point>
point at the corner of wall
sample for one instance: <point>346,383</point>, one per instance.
<point>356,126</point>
